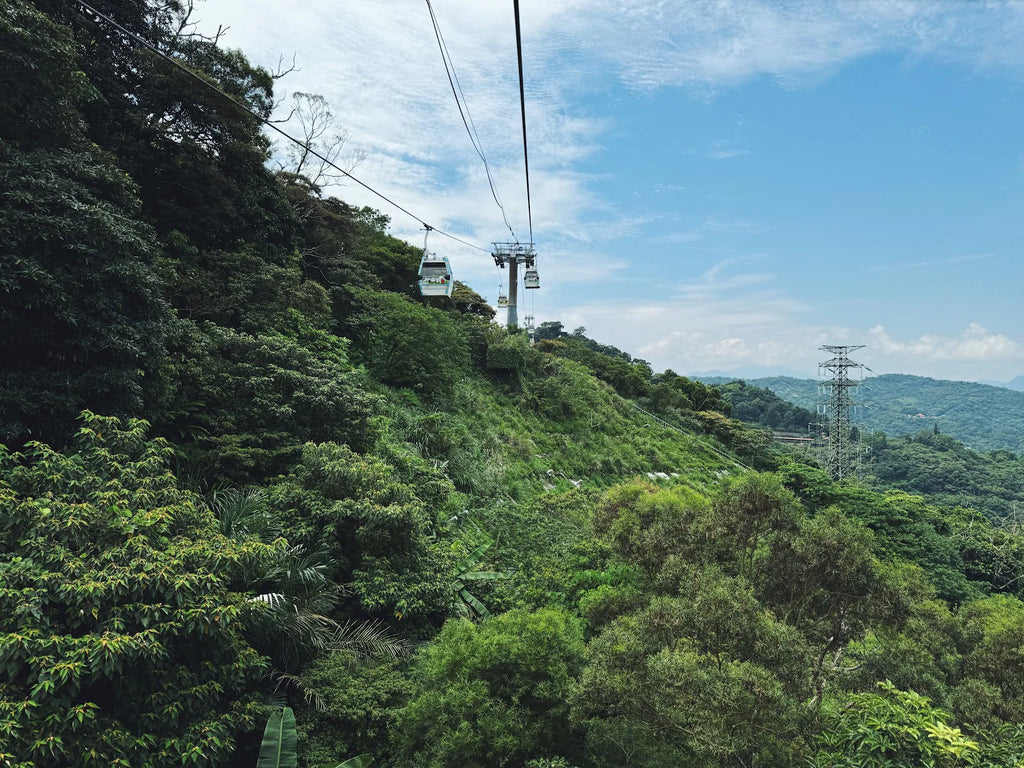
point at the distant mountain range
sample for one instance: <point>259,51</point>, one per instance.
<point>1015,384</point>
<point>983,416</point>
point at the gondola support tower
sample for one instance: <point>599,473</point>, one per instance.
<point>511,255</point>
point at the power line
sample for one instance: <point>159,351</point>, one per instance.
<point>522,107</point>
<point>244,107</point>
<point>474,137</point>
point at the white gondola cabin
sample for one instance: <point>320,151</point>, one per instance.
<point>435,276</point>
<point>531,279</point>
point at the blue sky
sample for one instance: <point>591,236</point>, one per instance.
<point>716,185</point>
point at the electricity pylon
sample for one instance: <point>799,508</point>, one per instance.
<point>838,448</point>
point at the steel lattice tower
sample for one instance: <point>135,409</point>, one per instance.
<point>512,255</point>
<point>837,446</point>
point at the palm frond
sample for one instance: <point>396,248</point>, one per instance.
<point>244,514</point>
<point>295,567</point>
<point>283,681</point>
<point>367,638</point>
<point>359,761</point>
<point>274,600</point>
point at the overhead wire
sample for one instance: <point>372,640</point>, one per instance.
<point>522,107</point>
<point>467,118</point>
<point>267,122</point>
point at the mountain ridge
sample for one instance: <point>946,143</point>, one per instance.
<point>983,416</point>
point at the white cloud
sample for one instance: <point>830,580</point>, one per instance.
<point>722,318</point>
<point>960,259</point>
<point>378,65</point>
<point>727,154</point>
<point>713,43</point>
<point>974,344</point>
<point>731,318</point>
<point>710,226</point>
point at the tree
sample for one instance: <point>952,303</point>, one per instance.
<point>492,693</point>
<point>81,316</point>
<point>469,302</point>
<point>549,330</point>
<point>407,344</point>
<point>121,642</point>
<point>666,687</point>
<point>357,700</point>
<point>652,526</point>
<point>376,530</point>
<point>993,656</point>
<point>246,404</point>
<point>323,143</point>
<point>751,508</point>
<point>824,581</point>
<point>700,396</point>
<point>891,729</point>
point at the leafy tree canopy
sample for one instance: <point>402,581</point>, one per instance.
<point>121,643</point>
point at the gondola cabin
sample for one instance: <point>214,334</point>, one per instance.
<point>435,276</point>
<point>502,301</point>
<point>531,279</point>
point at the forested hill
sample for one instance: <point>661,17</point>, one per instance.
<point>979,415</point>
<point>946,472</point>
<point>265,505</point>
<point>762,406</point>
<point>934,465</point>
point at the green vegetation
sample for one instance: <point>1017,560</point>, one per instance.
<point>927,463</point>
<point>763,407</point>
<point>946,472</point>
<point>320,517</point>
<point>979,415</point>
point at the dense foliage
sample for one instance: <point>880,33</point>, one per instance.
<point>946,472</point>
<point>762,406</point>
<point>320,506</point>
<point>115,602</point>
<point>980,415</point>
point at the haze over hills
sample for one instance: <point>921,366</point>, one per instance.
<point>982,416</point>
<point>1016,383</point>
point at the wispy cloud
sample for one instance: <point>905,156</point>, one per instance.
<point>727,154</point>
<point>724,317</point>
<point>378,65</point>
<point>965,258</point>
<point>709,227</point>
<point>711,43</point>
<point>725,150</point>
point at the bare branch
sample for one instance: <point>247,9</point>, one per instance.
<point>280,72</point>
<point>322,151</point>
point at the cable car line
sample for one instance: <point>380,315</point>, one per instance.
<point>474,137</point>
<point>522,107</point>
<point>192,73</point>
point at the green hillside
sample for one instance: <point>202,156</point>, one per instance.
<point>929,463</point>
<point>981,416</point>
<point>265,505</point>
<point>762,406</point>
<point>947,473</point>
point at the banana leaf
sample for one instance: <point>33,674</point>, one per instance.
<point>278,749</point>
